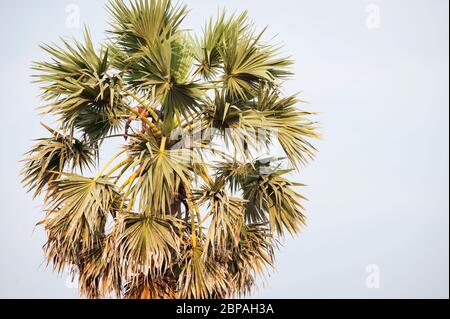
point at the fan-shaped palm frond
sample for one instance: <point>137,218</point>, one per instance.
<point>278,115</point>
<point>235,174</point>
<point>216,34</point>
<point>148,244</point>
<point>159,175</point>
<point>154,54</point>
<point>227,217</point>
<point>165,70</point>
<point>200,278</point>
<point>224,120</point>
<point>79,90</point>
<point>50,156</point>
<point>78,211</point>
<point>142,25</point>
<point>220,114</point>
<point>246,63</point>
<point>272,197</point>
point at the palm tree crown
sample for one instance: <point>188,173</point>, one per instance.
<point>171,215</point>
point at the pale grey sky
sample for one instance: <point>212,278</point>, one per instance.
<point>379,188</point>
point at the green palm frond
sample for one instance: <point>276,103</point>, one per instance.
<point>220,114</point>
<point>97,123</point>
<point>255,123</point>
<point>47,159</point>
<point>165,72</point>
<point>272,197</point>
<point>216,34</point>
<point>247,63</point>
<point>142,24</point>
<point>159,175</point>
<point>154,54</point>
<point>143,145</point>
<point>224,119</point>
<point>79,89</point>
<point>293,128</point>
<point>234,173</point>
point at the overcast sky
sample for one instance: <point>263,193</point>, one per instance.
<point>377,71</point>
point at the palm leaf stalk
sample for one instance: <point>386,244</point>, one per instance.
<point>170,215</point>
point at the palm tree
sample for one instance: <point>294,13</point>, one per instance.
<point>171,215</point>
